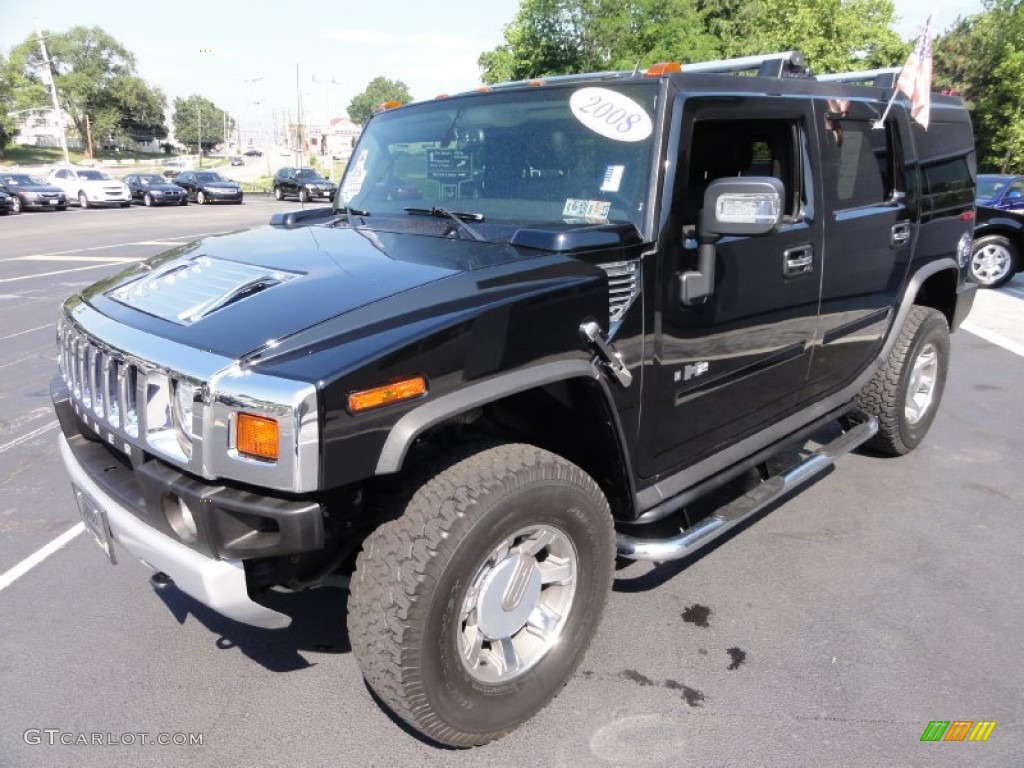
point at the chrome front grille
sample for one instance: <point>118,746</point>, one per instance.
<point>103,384</point>
<point>623,286</point>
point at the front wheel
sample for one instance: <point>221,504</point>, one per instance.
<point>303,196</point>
<point>994,261</point>
<point>470,611</point>
<point>17,205</point>
<point>83,201</point>
<point>906,390</point>
<point>278,194</point>
<point>147,200</point>
<point>201,197</point>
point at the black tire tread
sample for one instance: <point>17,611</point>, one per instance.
<point>881,395</point>
<point>402,554</point>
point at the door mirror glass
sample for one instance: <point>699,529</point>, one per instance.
<point>742,206</point>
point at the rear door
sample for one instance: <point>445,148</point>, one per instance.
<point>870,235</point>
<point>722,369</point>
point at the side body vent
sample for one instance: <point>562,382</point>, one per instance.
<point>623,286</point>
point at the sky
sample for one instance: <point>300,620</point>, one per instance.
<point>244,56</point>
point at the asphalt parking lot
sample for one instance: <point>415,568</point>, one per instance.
<point>828,633</point>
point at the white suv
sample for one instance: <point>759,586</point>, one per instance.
<point>90,187</point>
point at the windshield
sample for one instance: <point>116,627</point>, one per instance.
<point>308,173</point>
<point>93,175</point>
<point>209,177</point>
<point>152,178</point>
<point>23,178</point>
<point>544,155</point>
<point>990,187</point>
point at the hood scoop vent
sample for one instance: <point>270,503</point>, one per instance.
<point>187,290</point>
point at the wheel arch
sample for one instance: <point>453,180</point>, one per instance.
<point>938,291</point>
<point>563,407</point>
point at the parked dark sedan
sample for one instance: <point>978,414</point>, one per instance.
<point>1001,191</point>
<point>30,191</point>
<point>208,187</point>
<point>303,183</point>
<point>154,189</point>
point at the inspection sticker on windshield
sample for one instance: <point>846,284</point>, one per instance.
<point>612,178</point>
<point>611,114</point>
<point>354,178</point>
<point>589,210</point>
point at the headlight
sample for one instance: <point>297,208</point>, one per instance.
<point>182,406</point>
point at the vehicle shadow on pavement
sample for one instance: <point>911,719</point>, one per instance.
<point>318,626</point>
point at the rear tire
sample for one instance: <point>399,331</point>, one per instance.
<point>994,261</point>
<point>906,390</point>
<point>470,611</point>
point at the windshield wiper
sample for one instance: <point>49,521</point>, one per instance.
<point>459,217</point>
<point>348,213</point>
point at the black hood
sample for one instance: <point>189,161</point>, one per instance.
<point>274,282</point>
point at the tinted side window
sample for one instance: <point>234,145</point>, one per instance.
<point>857,164</point>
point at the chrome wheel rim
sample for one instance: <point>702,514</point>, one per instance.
<point>990,263</point>
<point>921,388</point>
<point>517,604</point>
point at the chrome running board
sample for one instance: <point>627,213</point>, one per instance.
<point>752,502</point>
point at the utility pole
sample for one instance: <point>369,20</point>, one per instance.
<point>199,113</point>
<point>298,124</point>
<point>53,93</point>
<point>88,134</point>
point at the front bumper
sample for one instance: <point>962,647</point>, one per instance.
<point>233,525</point>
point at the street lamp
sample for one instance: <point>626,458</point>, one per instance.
<point>327,97</point>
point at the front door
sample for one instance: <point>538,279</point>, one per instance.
<point>723,368</point>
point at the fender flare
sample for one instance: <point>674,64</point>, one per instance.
<point>433,412</point>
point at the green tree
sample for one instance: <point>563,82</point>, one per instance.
<point>198,120</point>
<point>8,125</point>
<point>556,37</point>
<point>982,58</point>
<point>379,90</point>
<point>551,37</point>
<point>95,77</point>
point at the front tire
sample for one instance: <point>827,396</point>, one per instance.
<point>83,201</point>
<point>278,194</point>
<point>147,200</point>
<point>994,261</point>
<point>906,390</point>
<point>16,208</point>
<point>303,196</point>
<point>470,611</point>
<point>201,197</point>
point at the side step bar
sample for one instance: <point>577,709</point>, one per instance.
<point>734,513</point>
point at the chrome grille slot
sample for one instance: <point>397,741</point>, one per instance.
<point>111,392</point>
<point>623,286</point>
<point>129,387</point>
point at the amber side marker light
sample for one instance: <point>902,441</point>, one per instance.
<point>396,392</point>
<point>256,436</point>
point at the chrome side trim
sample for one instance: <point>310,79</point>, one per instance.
<point>218,584</point>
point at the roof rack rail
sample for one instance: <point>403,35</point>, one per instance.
<point>883,78</point>
<point>784,64</point>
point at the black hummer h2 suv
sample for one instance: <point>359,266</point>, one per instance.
<point>537,322</point>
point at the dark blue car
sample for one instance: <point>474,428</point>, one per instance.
<point>1001,191</point>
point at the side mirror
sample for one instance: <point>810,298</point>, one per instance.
<point>749,205</point>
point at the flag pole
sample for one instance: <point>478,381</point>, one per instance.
<point>910,77</point>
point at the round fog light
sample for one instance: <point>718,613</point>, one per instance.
<point>181,519</point>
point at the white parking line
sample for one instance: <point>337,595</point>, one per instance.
<point>58,272</point>
<point>994,338</point>
<point>28,436</point>
<point>43,257</point>
<point>30,562</point>
<point>30,330</point>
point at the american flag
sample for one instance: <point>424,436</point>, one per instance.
<point>915,78</point>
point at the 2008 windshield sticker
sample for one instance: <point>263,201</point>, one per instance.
<point>354,179</point>
<point>611,114</point>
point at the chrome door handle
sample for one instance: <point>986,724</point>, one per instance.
<point>798,261</point>
<point>900,234</point>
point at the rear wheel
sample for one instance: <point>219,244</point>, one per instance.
<point>470,611</point>
<point>906,390</point>
<point>994,261</point>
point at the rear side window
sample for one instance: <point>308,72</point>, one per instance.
<point>858,166</point>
